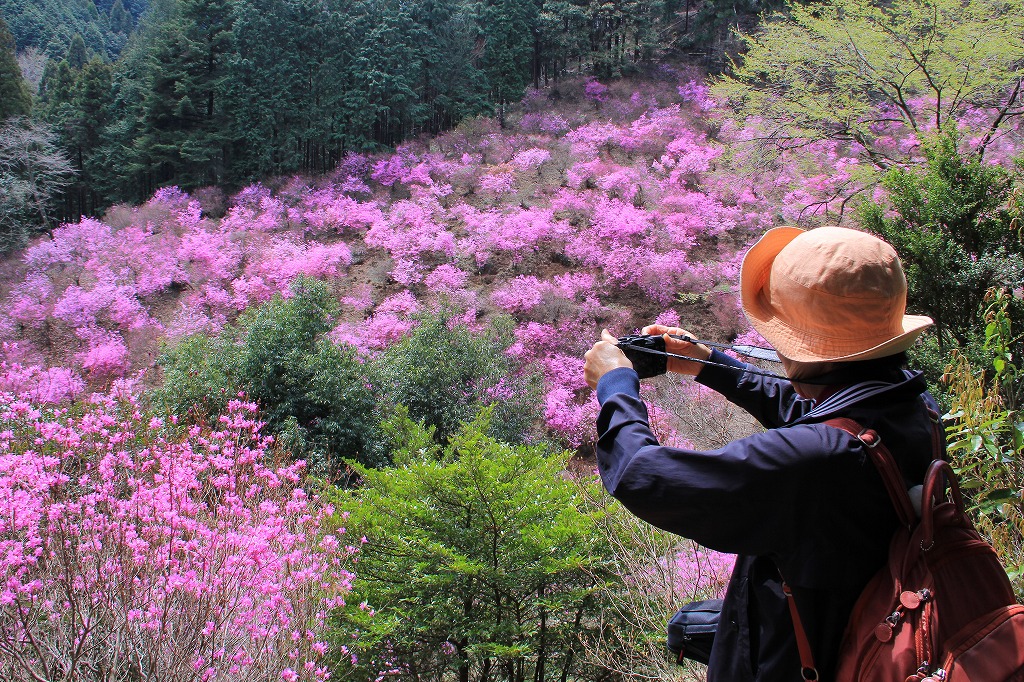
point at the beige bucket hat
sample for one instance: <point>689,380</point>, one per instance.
<point>828,294</point>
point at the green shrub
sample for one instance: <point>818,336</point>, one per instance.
<point>954,231</point>
<point>985,433</point>
<point>481,560</point>
<point>444,373</point>
<point>324,403</point>
<point>312,393</point>
<point>198,376</point>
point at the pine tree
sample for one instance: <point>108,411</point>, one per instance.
<point>120,19</point>
<point>77,54</point>
<point>186,123</point>
<point>511,28</point>
<point>15,99</point>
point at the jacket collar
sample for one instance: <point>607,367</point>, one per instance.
<point>912,385</point>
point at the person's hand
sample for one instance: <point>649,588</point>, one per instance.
<point>679,347</point>
<point>603,358</point>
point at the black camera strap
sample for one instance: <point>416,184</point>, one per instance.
<point>748,351</point>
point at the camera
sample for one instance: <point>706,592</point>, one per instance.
<point>646,352</point>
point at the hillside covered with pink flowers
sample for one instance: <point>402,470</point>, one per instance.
<point>596,205</point>
<point>610,208</point>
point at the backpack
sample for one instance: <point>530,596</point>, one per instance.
<point>942,609</point>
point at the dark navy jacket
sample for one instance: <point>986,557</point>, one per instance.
<point>801,499</point>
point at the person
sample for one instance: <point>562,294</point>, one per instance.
<point>800,500</point>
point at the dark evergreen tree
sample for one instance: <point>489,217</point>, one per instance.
<point>451,84</point>
<point>511,30</point>
<point>120,19</point>
<point>711,26</point>
<point>288,77</point>
<point>186,125</point>
<point>76,103</point>
<point>15,99</point>
<point>51,25</point>
<point>564,30</point>
<point>77,54</point>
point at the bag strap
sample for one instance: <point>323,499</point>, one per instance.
<point>803,645</point>
<point>895,486</point>
<point>886,465</point>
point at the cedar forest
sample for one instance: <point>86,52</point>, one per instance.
<point>296,295</point>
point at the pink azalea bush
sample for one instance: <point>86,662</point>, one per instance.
<point>133,548</point>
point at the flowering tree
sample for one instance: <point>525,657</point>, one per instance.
<point>853,68</point>
<point>133,549</point>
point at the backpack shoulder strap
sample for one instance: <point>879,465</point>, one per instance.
<point>886,465</point>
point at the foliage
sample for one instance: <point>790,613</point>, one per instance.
<point>132,548</point>
<point>443,373</point>
<point>856,70</point>
<point>312,392</point>
<point>603,220</point>
<point>51,25</point>
<point>952,227</point>
<point>15,99</point>
<point>33,170</point>
<point>229,92</point>
<point>185,121</point>
<point>986,436</point>
<point>713,29</point>
<point>73,98</point>
<point>481,559</point>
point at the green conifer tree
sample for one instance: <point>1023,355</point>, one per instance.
<point>77,54</point>
<point>15,99</point>
<point>186,123</point>
<point>120,19</point>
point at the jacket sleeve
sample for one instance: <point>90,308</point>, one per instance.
<point>736,499</point>
<point>772,401</point>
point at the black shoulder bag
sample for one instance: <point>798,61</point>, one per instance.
<point>691,631</point>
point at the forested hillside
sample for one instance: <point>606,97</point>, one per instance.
<point>295,297</point>
<point>223,93</point>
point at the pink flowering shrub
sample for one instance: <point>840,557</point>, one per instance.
<point>530,159</point>
<point>698,572</point>
<point>514,232</point>
<point>564,217</point>
<point>413,228</point>
<point>596,91</point>
<point>520,295</point>
<point>446,278</point>
<point>39,385</point>
<point>283,260</point>
<point>131,548</point>
<point>553,124</point>
<point>498,182</point>
<point>697,93</point>
<point>331,208</point>
<point>256,210</point>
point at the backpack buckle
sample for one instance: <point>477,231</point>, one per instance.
<point>869,438</point>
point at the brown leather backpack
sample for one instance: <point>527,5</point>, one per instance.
<point>942,608</point>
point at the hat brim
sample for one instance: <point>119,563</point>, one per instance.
<point>797,344</point>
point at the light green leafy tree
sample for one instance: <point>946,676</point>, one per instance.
<point>840,69</point>
<point>482,561</point>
